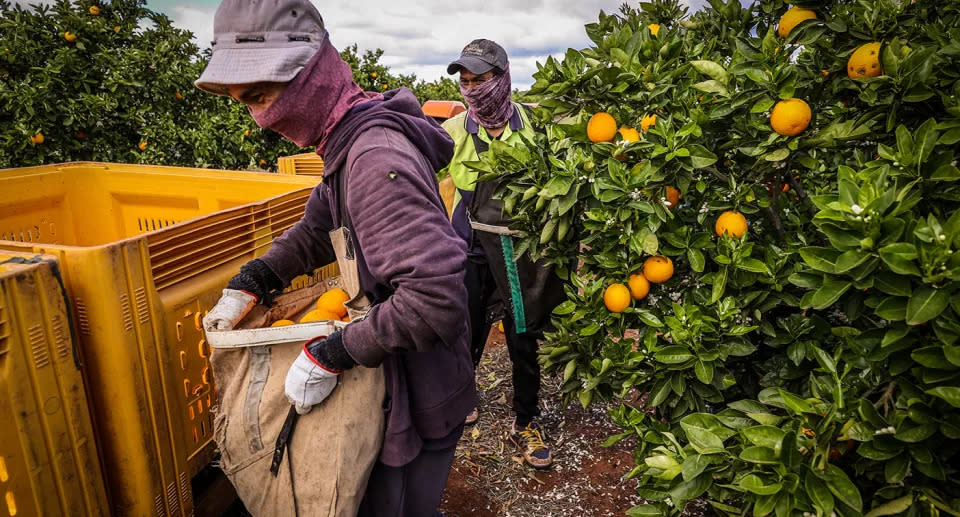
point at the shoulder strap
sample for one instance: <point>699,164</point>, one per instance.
<point>341,176</point>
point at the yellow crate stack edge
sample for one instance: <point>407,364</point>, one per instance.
<point>305,164</point>
<point>49,462</point>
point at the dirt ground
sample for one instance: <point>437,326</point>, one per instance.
<point>489,478</point>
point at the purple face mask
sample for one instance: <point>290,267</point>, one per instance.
<point>489,102</point>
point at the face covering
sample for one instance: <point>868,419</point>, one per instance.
<point>315,100</point>
<point>489,102</point>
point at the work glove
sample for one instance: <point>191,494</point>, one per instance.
<point>231,308</point>
<point>313,375</point>
<point>253,283</point>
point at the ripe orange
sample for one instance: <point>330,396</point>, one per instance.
<point>790,117</point>
<point>732,223</point>
<point>384,87</point>
<point>94,10</point>
<point>629,134</point>
<point>647,122</point>
<point>116,28</point>
<point>246,133</point>
<point>601,127</point>
<point>373,75</point>
<point>639,286</point>
<point>178,96</point>
<point>319,315</point>
<point>658,269</point>
<point>263,162</point>
<point>865,61</point>
<point>142,145</point>
<point>332,301</point>
<point>792,18</point>
<point>37,138</point>
<point>673,197</point>
<point>69,36</point>
<point>654,28</point>
<point>282,323</point>
<point>616,297</point>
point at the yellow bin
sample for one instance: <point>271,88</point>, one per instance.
<point>48,456</point>
<point>144,252</point>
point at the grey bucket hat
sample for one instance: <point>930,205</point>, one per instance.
<point>261,41</point>
<point>479,57</point>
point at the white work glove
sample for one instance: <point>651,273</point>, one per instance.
<point>308,383</point>
<point>229,310</point>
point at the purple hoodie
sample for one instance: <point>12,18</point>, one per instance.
<point>411,264</point>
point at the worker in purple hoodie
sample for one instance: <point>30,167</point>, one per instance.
<point>379,196</point>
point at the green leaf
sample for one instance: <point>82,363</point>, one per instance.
<point>892,308</point>
<point>675,354</point>
<point>704,371</point>
<point>704,441</point>
<point>712,86</point>
<point>842,488</point>
<point>821,259</point>
<point>565,308</point>
<point>753,265</point>
<point>899,258</point>
<point>795,403</point>
<point>777,156</point>
<point>712,70</point>
<point>754,484</point>
<point>831,291</point>
<point>648,318</point>
<point>761,455</point>
<point>646,510</point>
<point>925,304</point>
<point>691,489</point>
<point>694,465</point>
<point>896,469</point>
<point>818,493</point>
<point>700,156</point>
<point>950,394</point>
<point>764,436</point>
<point>762,105</point>
<point>893,507</point>
<point>697,261</point>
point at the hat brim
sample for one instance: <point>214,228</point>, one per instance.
<point>474,65</point>
<point>252,65</point>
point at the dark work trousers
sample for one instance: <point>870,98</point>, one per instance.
<point>481,288</point>
<point>415,489</point>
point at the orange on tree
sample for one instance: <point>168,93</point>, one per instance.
<point>639,286</point>
<point>629,134</point>
<point>654,28</point>
<point>790,117</point>
<point>865,61</point>
<point>69,36</point>
<point>142,145</point>
<point>601,127</point>
<point>262,161</point>
<point>793,17</point>
<point>319,315</point>
<point>282,323</point>
<point>246,133</point>
<point>178,96</point>
<point>731,223</point>
<point>94,10</point>
<point>647,122</point>
<point>332,301</point>
<point>672,195</point>
<point>80,135</point>
<point>116,28</point>
<point>616,297</point>
<point>37,138</point>
<point>658,269</point>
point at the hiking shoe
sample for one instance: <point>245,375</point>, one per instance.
<point>530,440</point>
<point>472,417</point>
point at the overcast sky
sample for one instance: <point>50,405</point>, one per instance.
<point>422,36</point>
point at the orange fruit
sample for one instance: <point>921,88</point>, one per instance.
<point>332,301</point>
<point>602,127</point>
<point>37,138</point>
<point>629,135</point>
<point>865,61</point>
<point>319,315</point>
<point>373,75</point>
<point>282,323</point>
<point>658,269</point>
<point>792,18</point>
<point>69,36</point>
<point>639,286</point>
<point>263,162</point>
<point>178,96</point>
<point>616,297</point>
<point>732,223</point>
<point>80,135</point>
<point>94,10</point>
<point>384,87</point>
<point>142,145</point>
<point>790,117</point>
<point>246,133</point>
<point>647,122</point>
<point>826,73</point>
<point>654,28</point>
<point>116,28</point>
<point>673,197</point>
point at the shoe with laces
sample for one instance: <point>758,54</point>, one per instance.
<point>530,440</point>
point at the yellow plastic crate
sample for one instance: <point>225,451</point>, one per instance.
<point>48,456</point>
<point>306,164</point>
<point>145,251</point>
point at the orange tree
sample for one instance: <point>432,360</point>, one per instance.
<point>372,75</point>
<point>790,201</point>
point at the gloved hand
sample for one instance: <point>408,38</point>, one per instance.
<point>313,375</point>
<point>231,308</point>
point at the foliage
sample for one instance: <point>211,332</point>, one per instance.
<point>812,366</point>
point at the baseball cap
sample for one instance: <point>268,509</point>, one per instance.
<point>261,41</point>
<point>479,57</point>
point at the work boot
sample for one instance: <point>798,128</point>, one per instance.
<point>472,417</point>
<point>530,440</point>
